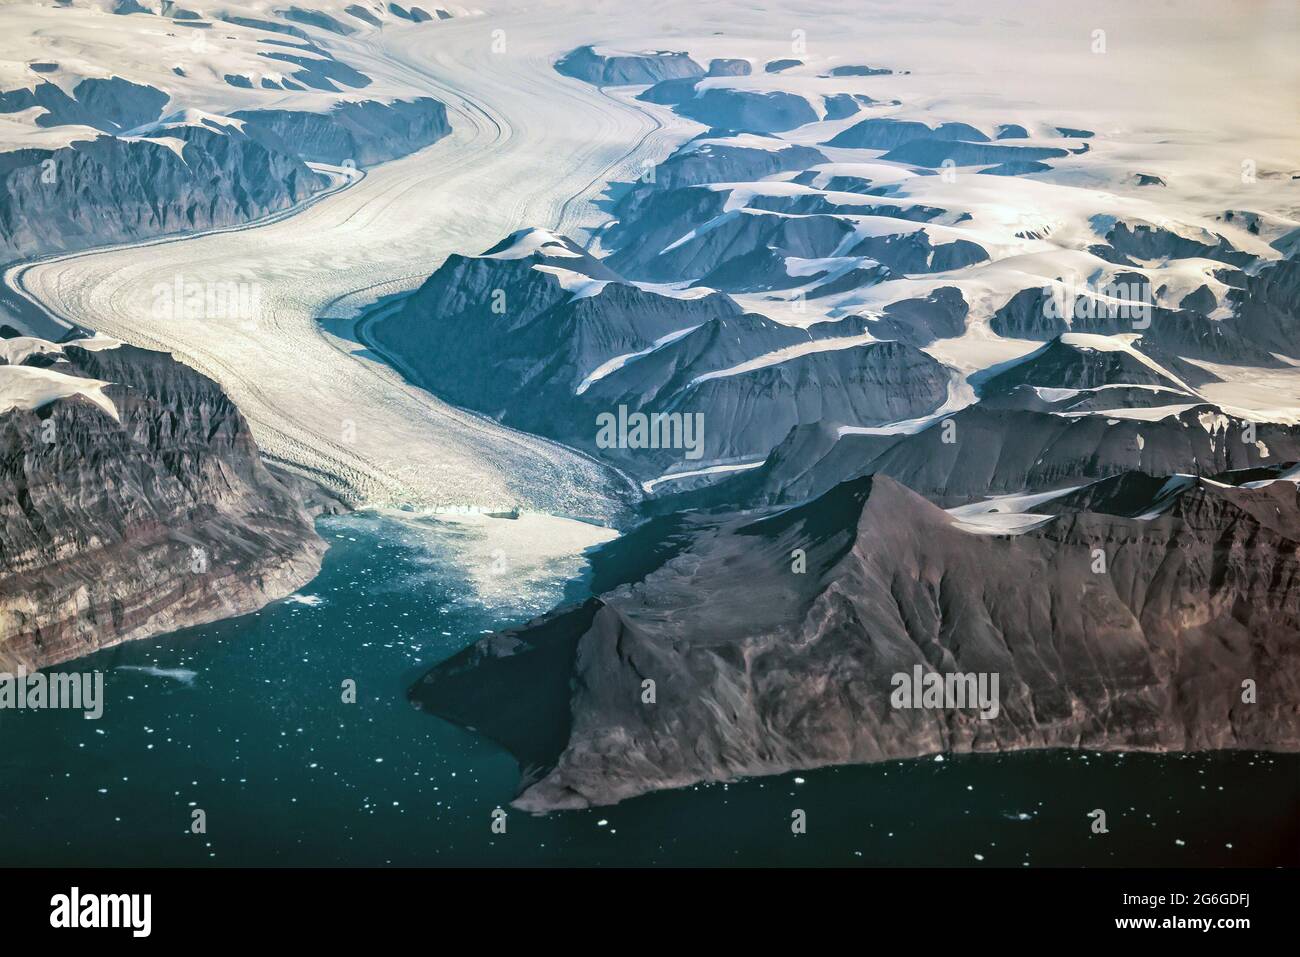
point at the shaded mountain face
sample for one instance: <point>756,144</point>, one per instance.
<point>759,645</point>
<point>1080,408</point>
<point>132,502</point>
<point>1175,335</point>
<point>522,331</point>
<point>748,111</point>
<point>620,69</point>
<point>1074,363</point>
<point>112,190</point>
<point>1117,565</point>
<point>1267,306</point>
<point>912,384</point>
<point>118,160</point>
<point>536,311</point>
<point>112,105</point>
<point>180,174</point>
<point>710,159</point>
<point>758,237</point>
<point>1144,241</point>
<point>984,450</point>
<point>940,315</point>
<point>546,338</point>
<point>747,411</point>
<point>364,133</point>
<point>883,133</point>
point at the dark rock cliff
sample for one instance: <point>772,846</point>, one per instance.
<point>189,171</point>
<point>111,190</point>
<point>550,340</point>
<point>362,133</point>
<point>619,69</point>
<point>142,516</point>
<point>758,669</point>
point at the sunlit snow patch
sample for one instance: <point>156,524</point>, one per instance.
<point>1005,514</point>
<point>696,473</point>
<point>613,365</point>
<point>28,387</point>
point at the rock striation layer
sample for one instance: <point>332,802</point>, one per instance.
<point>758,668</point>
<point>132,502</point>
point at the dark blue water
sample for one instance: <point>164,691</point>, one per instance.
<point>287,774</point>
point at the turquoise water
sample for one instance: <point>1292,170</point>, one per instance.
<point>258,737</point>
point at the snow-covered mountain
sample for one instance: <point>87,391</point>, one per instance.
<point>133,502</point>
<point>1057,349</point>
<point>121,120</point>
<point>880,275</point>
<point>758,670</point>
<point>995,287</point>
